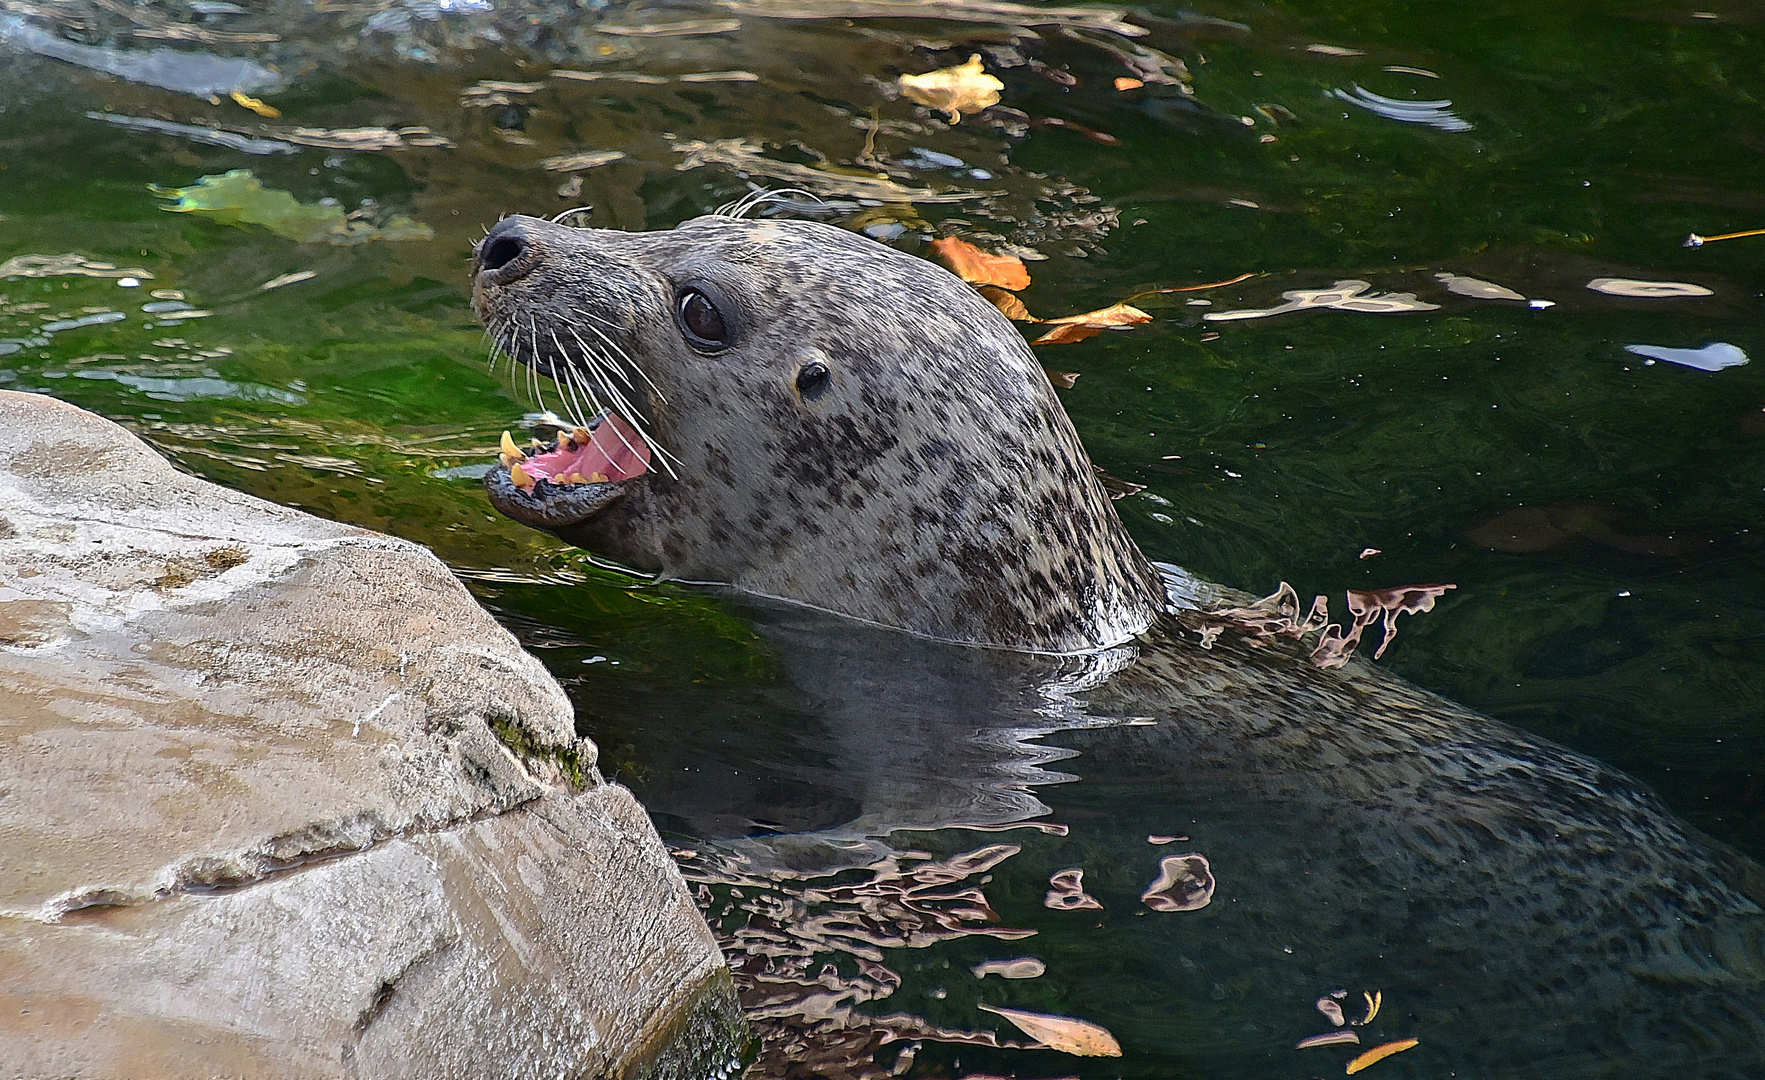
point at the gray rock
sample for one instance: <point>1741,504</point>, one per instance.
<point>277,798</point>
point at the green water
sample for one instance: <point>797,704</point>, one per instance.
<point>1619,608</point>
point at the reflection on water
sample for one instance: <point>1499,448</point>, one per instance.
<point>1468,172</point>
<point>1346,830</point>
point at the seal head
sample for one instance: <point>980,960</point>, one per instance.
<point>805,414</point>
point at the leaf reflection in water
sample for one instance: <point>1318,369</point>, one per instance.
<point>806,950</point>
<point>1066,892</point>
<point>1185,883</point>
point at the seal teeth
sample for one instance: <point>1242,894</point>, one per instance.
<point>519,475</point>
<point>510,453</point>
<point>581,435</point>
<point>564,441</point>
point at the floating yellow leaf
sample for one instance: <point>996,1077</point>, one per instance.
<point>256,105</point>
<point>1378,1054</point>
<point>1374,1000</point>
<point>977,267</point>
<point>965,88</point>
<point>1124,83</point>
<point>1078,1037</point>
<point>1090,324</point>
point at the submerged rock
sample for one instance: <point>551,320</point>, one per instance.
<point>278,798</point>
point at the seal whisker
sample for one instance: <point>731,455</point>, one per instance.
<point>613,362</point>
<point>594,359</point>
<point>568,383</point>
<point>758,197</point>
<point>533,372</point>
<point>619,352</point>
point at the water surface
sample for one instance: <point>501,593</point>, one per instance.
<point>1594,508</point>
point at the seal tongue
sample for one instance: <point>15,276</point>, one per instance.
<point>612,451</point>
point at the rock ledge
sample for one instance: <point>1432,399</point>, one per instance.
<point>277,798</point>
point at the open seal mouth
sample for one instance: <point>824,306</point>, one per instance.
<point>570,479</point>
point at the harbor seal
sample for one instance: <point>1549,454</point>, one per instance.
<point>765,429</point>
<point>808,415</point>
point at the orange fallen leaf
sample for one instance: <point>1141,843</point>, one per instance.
<point>978,267</point>
<point>1009,305</point>
<point>965,88</point>
<point>1378,1054</point>
<point>1078,1037</point>
<point>1090,324</point>
<point>1124,83</point>
<point>1066,335</point>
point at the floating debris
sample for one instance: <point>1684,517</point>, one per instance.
<point>1091,323</point>
<point>1122,82</point>
<point>1399,69</point>
<point>256,105</point>
<point>489,88</point>
<point>609,76</point>
<point>1329,1038</point>
<point>1080,1038</point>
<point>741,156</point>
<point>1712,357</point>
<point>1327,1005</point>
<point>70,265</point>
<point>1185,883</point>
<point>1435,114</point>
<point>366,138</point>
<point>991,12</point>
<point>1024,967</point>
<point>239,198</point>
<point>1374,1000</point>
<point>1159,841</point>
<point>96,319</point>
<point>1066,892</point>
<point>1631,287</point>
<point>1476,288</point>
<point>1366,607</point>
<point>232,140</point>
<point>576,162</point>
<point>688,28</point>
<point>718,77</point>
<point>288,279</point>
<point>1694,240</point>
<point>965,88</point>
<point>1343,296</point>
<point>1333,50</point>
<point>978,267</point>
<point>1368,553</point>
<point>1379,1053</point>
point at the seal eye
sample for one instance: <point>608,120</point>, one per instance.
<point>813,380</point>
<point>706,329</point>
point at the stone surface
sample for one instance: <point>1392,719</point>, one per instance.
<point>277,798</point>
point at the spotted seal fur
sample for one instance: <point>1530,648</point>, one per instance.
<point>848,430</point>
<point>773,434</point>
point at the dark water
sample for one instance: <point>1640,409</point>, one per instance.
<point>1595,510</point>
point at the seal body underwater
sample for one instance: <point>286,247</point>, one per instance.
<point>807,415</point>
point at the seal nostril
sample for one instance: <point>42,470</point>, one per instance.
<point>500,252</point>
